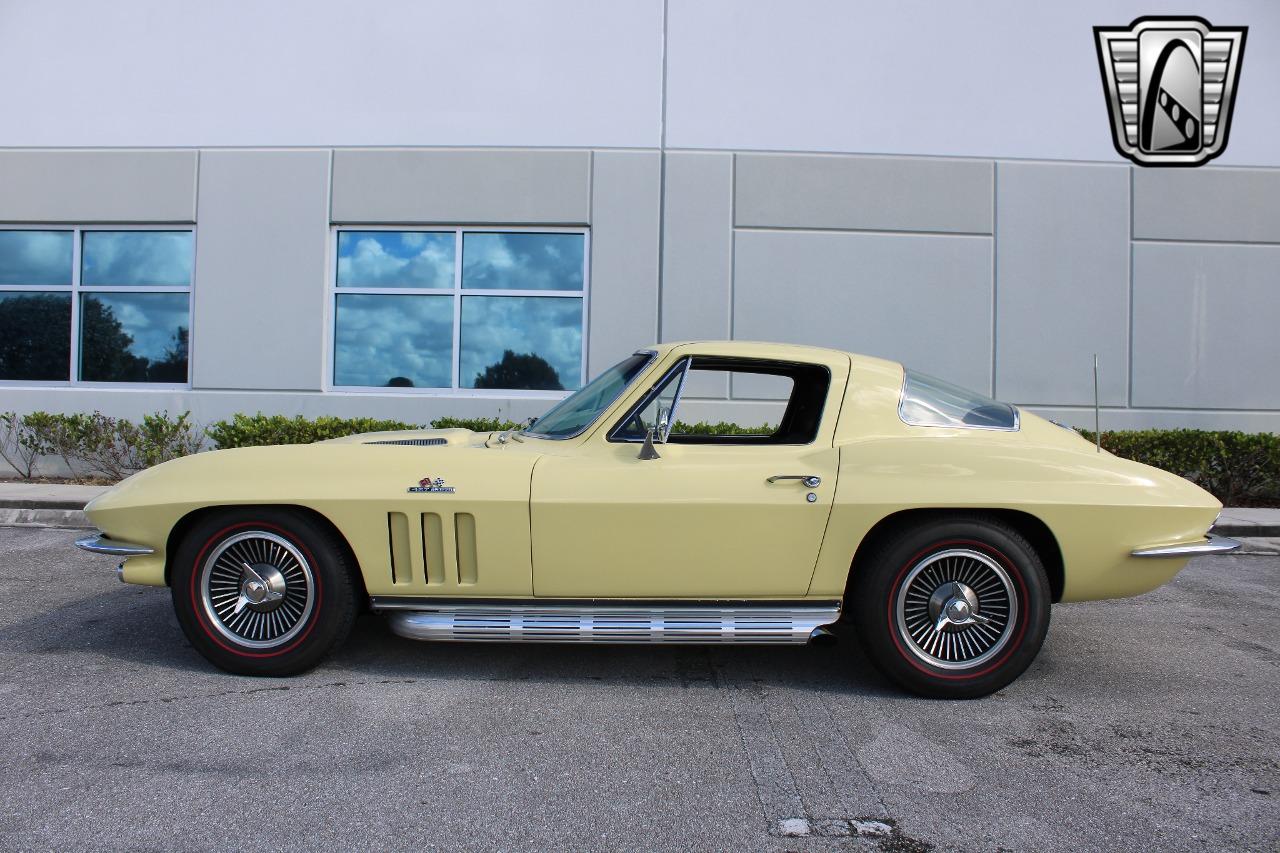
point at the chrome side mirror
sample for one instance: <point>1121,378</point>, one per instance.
<point>664,425</point>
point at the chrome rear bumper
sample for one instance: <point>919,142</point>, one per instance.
<point>99,543</point>
<point>1211,545</point>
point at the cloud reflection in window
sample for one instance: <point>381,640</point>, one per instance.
<point>35,257</point>
<point>396,341</point>
<point>395,259</point>
<point>522,261</point>
<point>136,258</point>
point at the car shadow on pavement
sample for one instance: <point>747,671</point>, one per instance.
<point>137,625</point>
<point>838,666</point>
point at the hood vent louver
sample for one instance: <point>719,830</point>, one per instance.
<point>416,442</point>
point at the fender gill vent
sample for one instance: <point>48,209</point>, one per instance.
<point>464,526</point>
<point>398,537</point>
<point>416,442</point>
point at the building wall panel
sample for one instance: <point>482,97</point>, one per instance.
<point>863,193</point>
<point>259,291</point>
<point>1062,282</point>
<point>508,187</point>
<point>1233,205</point>
<point>1205,321</point>
<point>98,186</point>
<point>923,300</point>
<point>624,256</point>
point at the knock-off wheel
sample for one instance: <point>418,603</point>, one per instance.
<point>953,608</point>
<point>262,591</point>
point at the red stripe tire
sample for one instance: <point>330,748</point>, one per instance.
<point>262,590</point>
<point>955,607</point>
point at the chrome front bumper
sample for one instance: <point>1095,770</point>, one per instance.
<point>1211,545</point>
<point>99,543</point>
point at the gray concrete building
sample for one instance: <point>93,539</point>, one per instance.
<point>412,210</point>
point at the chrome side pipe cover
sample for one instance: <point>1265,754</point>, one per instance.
<point>624,625</point>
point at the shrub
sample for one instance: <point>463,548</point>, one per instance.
<point>95,444</point>
<point>1235,467</point>
<point>254,430</point>
<point>476,424</point>
<point>17,448</point>
<point>721,428</point>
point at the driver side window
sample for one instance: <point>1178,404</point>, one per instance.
<point>803,386</point>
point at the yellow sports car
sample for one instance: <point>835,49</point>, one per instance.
<point>938,524</point>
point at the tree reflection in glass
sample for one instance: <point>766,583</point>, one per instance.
<point>35,336</point>
<point>502,334</point>
<point>133,337</point>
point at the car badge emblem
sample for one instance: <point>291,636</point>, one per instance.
<point>1170,85</point>
<point>426,484</point>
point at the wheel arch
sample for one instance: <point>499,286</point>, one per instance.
<point>188,521</point>
<point>1029,526</point>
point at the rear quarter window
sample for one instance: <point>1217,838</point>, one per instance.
<point>928,401</point>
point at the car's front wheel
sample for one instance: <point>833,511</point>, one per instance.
<point>262,591</point>
<point>953,608</point>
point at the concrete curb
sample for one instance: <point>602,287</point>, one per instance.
<point>41,503</point>
<point>44,517</point>
<point>1235,531</point>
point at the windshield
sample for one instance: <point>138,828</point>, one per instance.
<point>576,412</point>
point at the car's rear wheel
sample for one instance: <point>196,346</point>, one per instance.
<point>263,591</point>
<point>954,608</point>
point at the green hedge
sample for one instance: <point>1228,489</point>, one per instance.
<point>1238,468</point>
<point>253,430</point>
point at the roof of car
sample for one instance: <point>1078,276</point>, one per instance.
<point>766,349</point>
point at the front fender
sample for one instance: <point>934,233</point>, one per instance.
<point>363,490</point>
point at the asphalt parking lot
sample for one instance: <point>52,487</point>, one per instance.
<point>1152,723</point>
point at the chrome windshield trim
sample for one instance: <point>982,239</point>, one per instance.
<point>653,354</point>
<point>100,543</point>
<point>1212,544</point>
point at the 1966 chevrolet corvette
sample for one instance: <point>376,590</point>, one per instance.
<point>938,524</point>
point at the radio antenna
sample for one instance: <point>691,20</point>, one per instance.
<point>1097,416</point>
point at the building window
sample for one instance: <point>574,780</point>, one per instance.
<point>95,305</point>
<point>470,309</point>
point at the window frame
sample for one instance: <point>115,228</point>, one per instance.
<point>75,289</point>
<point>614,436</point>
<point>458,293</point>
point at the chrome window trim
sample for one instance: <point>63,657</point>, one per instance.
<point>902,399</point>
<point>652,354</point>
<point>683,367</point>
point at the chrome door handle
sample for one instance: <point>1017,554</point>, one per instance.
<point>811,481</point>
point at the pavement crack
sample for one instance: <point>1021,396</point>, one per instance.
<point>220,694</point>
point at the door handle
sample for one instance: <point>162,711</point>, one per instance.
<point>811,481</point>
